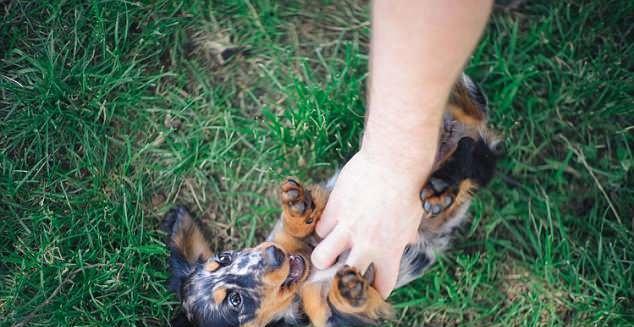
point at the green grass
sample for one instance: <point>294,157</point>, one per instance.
<point>112,112</point>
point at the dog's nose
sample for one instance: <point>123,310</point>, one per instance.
<point>273,256</point>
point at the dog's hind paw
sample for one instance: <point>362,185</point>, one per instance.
<point>437,196</point>
<point>352,286</point>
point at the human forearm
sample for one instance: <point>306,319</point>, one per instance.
<point>418,50</point>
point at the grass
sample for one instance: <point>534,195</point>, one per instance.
<point>112,112</point>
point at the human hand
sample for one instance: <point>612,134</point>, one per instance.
<point>374,210</point>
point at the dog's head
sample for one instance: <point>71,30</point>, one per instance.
<point>249,287</point>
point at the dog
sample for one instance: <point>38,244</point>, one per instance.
<point>274,284</point>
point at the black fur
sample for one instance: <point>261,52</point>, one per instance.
<point>215,318</point>
<point>180,320</point>
<point>478,97</point>
<point>471,160</point>
<point>301,320</point>
<point>418,262</point>
<point>171,218</point>
<point>180,270</point>
<point>179,267</point>
<point>338,318</point>
<point>483,163</point>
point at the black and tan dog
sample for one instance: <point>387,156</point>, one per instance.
<point>274,284</point>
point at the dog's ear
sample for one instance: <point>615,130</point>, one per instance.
<point>188,246</point>
<point>180,320</point>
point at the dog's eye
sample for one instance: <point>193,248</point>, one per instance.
<point>235,299</point>
<point>224,259</point>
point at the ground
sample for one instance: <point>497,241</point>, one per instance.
<point>113,112</point>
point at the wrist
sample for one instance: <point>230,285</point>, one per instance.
<point>398,165</point>
<point>401,147</point>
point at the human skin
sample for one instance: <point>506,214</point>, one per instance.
<point>418,49</point>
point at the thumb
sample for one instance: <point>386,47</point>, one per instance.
<point>387,275</point>
<point>330,248</point>
<point>358,258</point>
<point>387,268</point>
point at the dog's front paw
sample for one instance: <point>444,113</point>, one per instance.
<point>298,208</point>
<point>295,200</point>
<point>301,207</point>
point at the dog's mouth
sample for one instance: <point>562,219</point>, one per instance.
<point>297,270</point>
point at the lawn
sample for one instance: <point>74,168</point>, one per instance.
<point>111,112</point>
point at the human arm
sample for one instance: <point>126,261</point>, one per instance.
<point>418,49</point>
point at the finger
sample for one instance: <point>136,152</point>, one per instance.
<point>328,220</point>
<point>387,268</point>
<point>358,258</point>
<point>386,276</point>
<point>330,248</point>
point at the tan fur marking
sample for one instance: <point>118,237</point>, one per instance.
<point>219,295</point>
<point>460,115</point>
<point>460,97</point>
<point>190,241</point>
<point>272,304</point>
<point>314,304</point>
<point>274,300</point>
<point>277,276</point>
<point>212,266</point>
<point>193,244</point>
<point>290,243</point>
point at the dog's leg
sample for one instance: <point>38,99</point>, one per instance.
<point>301,207</point>
<point>449,188</point>
<point>353,301</point>
<point>315,306</point>
<point>348,300</point>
